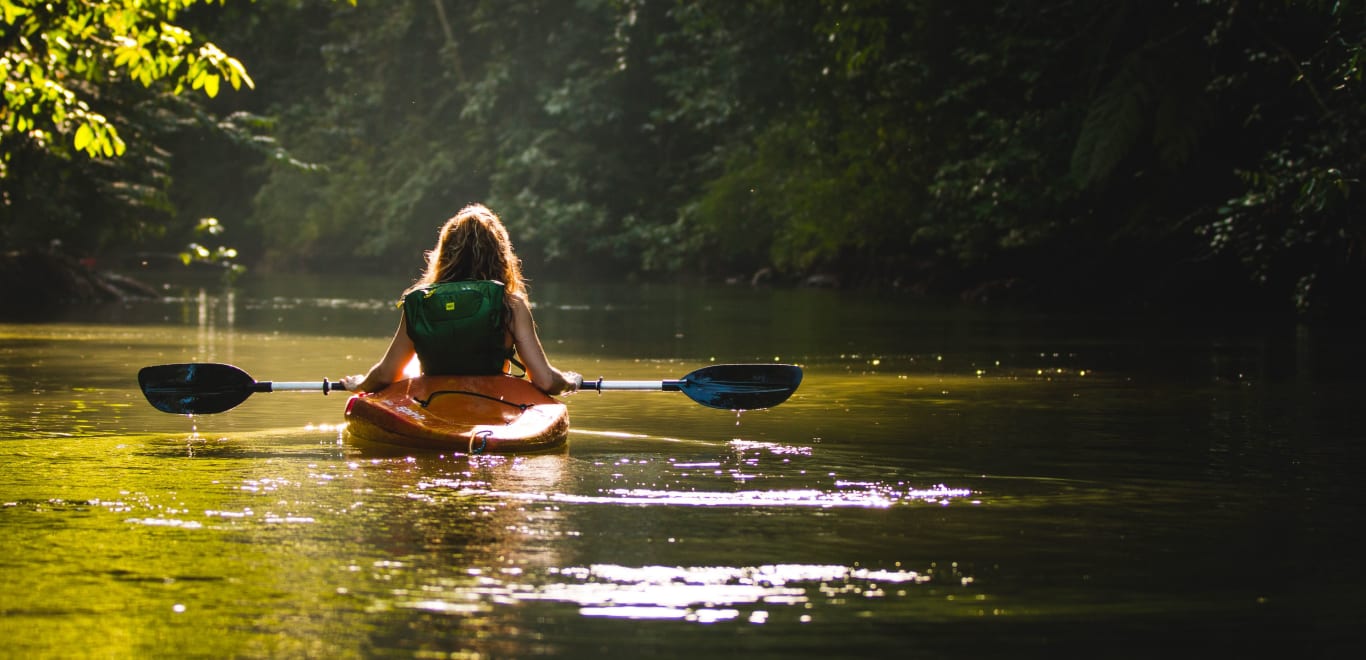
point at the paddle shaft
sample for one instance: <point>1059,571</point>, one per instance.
<point>601,385</point>
<point>298,386</point>
<point>598,385</point>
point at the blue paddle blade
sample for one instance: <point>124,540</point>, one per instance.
<point>195,389</point>
<point>742,386</point>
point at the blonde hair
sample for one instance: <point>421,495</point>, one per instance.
<point>474,245</point>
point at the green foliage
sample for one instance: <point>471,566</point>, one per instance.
<point>1148,94</point>
<point>1067,143</point>
<point>387,149</point>
<point>1295,218</point>
<point>221,256</point>
<point>96,94</point>
<point>1088,148</point>
<point>58,56</point>
<point>1296,221</point>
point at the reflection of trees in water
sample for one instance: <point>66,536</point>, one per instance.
<point>215,318</point>
<point>446,540</point>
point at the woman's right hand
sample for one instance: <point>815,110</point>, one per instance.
<point>574,382</point>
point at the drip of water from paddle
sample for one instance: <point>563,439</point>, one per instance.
<point>194,434</point>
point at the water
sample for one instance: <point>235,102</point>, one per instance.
<point>946,483</point>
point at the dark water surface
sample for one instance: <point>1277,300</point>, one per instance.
<point>946,483</point>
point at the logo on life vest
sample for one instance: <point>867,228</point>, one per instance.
<point>450,306</point>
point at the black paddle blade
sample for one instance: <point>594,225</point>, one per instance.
<point>195,389</point>
<point>742,386</point>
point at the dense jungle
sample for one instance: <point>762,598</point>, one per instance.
<point>1200,154</point>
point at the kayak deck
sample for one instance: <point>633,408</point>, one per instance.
<point>468,414</point>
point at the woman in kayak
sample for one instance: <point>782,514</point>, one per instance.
<point>468,314</point>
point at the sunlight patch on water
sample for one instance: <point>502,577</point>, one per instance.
<point>166,522</point>
<point>774,448</point>
<point>245,513</point>
<point>266,485</point>
<point>288,520</point>
<point>850,495</point>
<point>698,594</point>
<point>443,607</point>
<point>876,497</point>
<point>620,435</point>
<point>283,303</point>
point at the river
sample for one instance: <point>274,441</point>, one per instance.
<point>947,482</point>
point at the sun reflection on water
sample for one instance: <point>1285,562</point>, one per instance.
<point>876,497</point>
<point>848,494</point>
<point>700,594</point>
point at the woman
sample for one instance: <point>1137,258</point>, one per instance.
<point>469,313</point>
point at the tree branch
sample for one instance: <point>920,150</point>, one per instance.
<point>452,51</point>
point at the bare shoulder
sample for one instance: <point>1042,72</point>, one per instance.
<point>520,309</point>
<point>518,302</point>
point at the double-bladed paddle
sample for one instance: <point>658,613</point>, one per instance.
<point>724,386</point>
<point>204,388</point>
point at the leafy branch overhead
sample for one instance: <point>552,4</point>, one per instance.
<point>60,58</point>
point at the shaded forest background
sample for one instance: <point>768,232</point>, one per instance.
<point>1188,153</point>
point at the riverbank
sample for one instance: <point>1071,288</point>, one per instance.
<point>34,279</point>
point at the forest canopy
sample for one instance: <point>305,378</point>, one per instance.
<point>1125,151</point>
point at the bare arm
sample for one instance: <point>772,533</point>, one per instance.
<point>545,377</point>
<point>390,367</point>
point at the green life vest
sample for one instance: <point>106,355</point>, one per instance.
<point>457,328</point>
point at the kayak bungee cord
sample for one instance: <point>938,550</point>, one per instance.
<point>428,401</point>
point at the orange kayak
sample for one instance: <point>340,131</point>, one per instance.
<point>467,414</point>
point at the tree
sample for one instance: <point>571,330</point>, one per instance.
<point>60,57</point>
<point>107,79</point>
<point>1115,150</point>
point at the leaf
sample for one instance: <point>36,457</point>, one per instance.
<point>12,11</point>
<point>124,56</point>
<point>238,74</point>
<point>211,85</point>
<point>83,136</point>
<point>1114,122</point>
